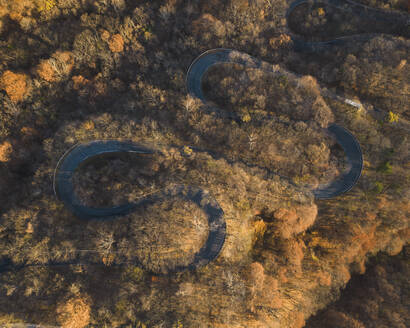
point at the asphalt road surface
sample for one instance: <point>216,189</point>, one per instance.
<point>346,140</point>
<point>81,153</point>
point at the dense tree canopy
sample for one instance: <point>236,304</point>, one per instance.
<point>76,71</point>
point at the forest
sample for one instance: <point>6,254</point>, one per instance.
<point>75,71</point>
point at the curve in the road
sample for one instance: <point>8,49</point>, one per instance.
<point>73,158</point>
<point>80,153</point>
<point>348,179</point>
<point>399,25</point>
<point>64,190</point>
<point>347,141</point>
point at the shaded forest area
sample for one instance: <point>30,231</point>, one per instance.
<point>318,21</point>
<point>402,5</point>
<point>379,298</point>
<point>79,70</point>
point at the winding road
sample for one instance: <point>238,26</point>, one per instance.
<point>64,190</point>
<point>71,160</point>
<point>346,140</point>
<point>81,153</point>
<point>397,24</point>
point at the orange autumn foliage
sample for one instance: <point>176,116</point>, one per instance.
<point>325,279</point>
<point>300,320</point>
<point>6,150</point>
<point>281,40</point>
<point>59,65</point>
<point>116,43</point>
<point>79,82</point>
<point>15,84</point>
<point>75,313</point>
<point>46,71</point>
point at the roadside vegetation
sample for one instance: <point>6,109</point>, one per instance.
<point>77,71</point>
